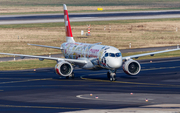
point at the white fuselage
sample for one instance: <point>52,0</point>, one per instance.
<point>101,56</point>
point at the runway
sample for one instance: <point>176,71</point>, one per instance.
<point>43,91</point>
<point>79,17</point>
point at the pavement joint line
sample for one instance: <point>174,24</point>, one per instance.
<point>159,61</point>
<point>45,86</point>
<point>29,80</point>
<point>161,68</point>
<point>12,78</point>
<point>141,70</point>
<point>97,79</point>
<point>40,107</point>
<point>73,86</point>
<point>64,80</point>
<point>134,82</point>
<point>131,82</point>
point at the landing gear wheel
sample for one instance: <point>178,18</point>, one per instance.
<point>72,75</point>
<point>113,77</point>
<point>108,75</point>
<point>111,74</point>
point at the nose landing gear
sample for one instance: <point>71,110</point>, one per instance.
<point>111,75</point>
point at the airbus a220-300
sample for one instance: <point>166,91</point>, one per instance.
<point>90,56</point>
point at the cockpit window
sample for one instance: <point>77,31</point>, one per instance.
<point>113,54</point>
<point>118,54</point>
<point>106,55</point>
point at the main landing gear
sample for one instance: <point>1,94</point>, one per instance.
<point>111,74</point>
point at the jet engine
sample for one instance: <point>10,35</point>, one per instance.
<point>63,68</point>
<point>131,67</point>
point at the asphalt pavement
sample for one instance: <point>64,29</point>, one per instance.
<point>155,88</point>
<point>79,17</point>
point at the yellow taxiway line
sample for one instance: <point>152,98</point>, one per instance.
<point>29,80</point>
<point>41,107</point>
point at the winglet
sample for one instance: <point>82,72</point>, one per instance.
<point>69,36</point>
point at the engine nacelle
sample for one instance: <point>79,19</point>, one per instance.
<point>63,68</point>
<point>131,67</point>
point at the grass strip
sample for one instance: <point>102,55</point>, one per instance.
<point>61,24</point>
<point>86,2</point>
<point>88,11</point>
<point>26,64</point>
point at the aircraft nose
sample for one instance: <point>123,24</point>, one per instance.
<point>115,63</point>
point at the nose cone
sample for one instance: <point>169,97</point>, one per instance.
<point>115,62</point>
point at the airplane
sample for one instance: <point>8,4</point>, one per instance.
<point>90,56</point>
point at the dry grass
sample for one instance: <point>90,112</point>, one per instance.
<point>26,64</point>
<point>30,9</point>
<point>15,40</point>
<point>140,35</point>
<point>25,6</point>
<point>147,34</point>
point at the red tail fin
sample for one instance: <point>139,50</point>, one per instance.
<point>69,36</point>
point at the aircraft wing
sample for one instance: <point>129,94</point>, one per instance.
<point>75,61</point>
<point>46,46</point>
<point>146,54</point>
